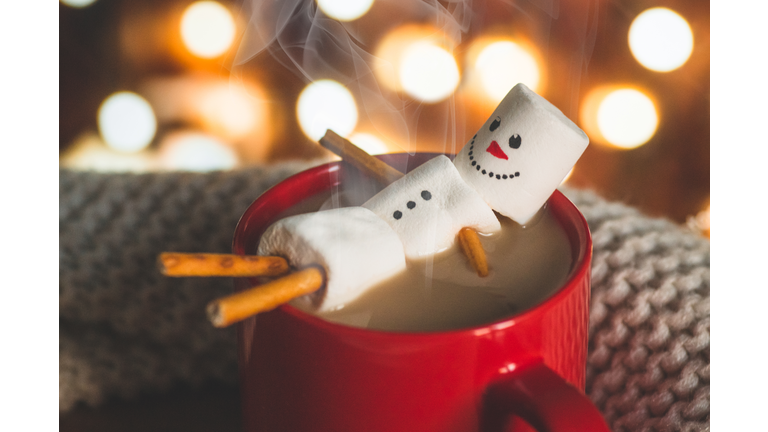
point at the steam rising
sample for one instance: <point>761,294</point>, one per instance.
<point>312,45</point>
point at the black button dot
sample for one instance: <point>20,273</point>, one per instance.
<point>470,153</point>
<point>504,176</point>
<point>498,176</point>
<point>490,174</point>
<point>398,214</point>
<point>484,172</point>
<point>478,167</point>
<point>411,204</point>
<point>426,195</point>
<point>471,157</point>
<point>474,163</point>
<point>517,174</point>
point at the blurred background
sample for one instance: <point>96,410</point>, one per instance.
<point>215,85</point>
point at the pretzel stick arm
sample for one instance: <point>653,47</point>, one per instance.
<point>185,264</point>
<point>473,249</point>
<point>239,306</point>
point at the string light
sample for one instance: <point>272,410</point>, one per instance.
<point>503,64</point>
<point>323,105</point>
<point>78,4</point>
<point>389,52</point>
<point>370,143</point>
<point>191,151</point>
<point>207,29</point>
<point>345,10</point>
<point>619,116</point>
<point>428,72</point>
<point>660,39</point>
<point>126,122</point>
<point>627,118</point>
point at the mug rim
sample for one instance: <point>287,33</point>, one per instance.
<point>578,272</point>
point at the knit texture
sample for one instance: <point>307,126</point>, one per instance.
<point>125,329</point>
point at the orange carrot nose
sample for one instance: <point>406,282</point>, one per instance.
<point>495,150</point>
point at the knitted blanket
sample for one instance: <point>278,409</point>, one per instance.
<point>125,329</point>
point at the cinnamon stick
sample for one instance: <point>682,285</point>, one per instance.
<point>206,264</point>
<point>358,158</point>
<point>239,306</point>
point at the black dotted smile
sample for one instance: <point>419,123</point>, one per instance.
<point>477,166</point>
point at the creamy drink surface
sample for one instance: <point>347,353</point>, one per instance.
<point>527,265</point>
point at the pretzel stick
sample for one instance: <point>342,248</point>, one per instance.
<point>198,264</point>
<point>385,174</point>
<point>470,244</point>
<point>239,306</point>
<point>358,158</point>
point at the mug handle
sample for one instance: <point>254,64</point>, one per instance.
<point>542,398</point>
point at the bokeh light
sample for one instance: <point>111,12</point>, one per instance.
<point>126,122</point>
<point>660,39</point>
<point>368,142</point>
<point>503,64</point>
<point>627,118</point>
<point>207,29</point>
<point>389,52</point>
<point>192,151</point>
<point>78,3</point>
<point>326,104</point>
<point>88,152</point>
<point>345,10</point>
<point>428,72</point>
<point>230,110</point>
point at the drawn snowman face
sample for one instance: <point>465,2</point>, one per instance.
<point>521,154</point>
<point>429,206</point>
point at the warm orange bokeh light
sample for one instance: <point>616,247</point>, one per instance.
<point>619,116</point>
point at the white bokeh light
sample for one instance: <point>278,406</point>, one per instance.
<point>660,39</point>
<point>627,118</point>
<point>428,73</point>
<point>371,144</point>
<point>345,10</point>
<point>191,151</point>
<point>504,64</point>
<point>126,122</point>
<point>326,104</point>
<point>207,29</point>
<point>78,3</point>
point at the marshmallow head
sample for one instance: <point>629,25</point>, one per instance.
<point>354,246</point>
<point>428,207</point>
<point>521,154</point>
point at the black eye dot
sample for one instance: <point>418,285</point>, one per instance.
<point>490,174</point>
<point>474,162</point>
<point>498,177</point>
<point>514,141</point>
<point>495,124</point>
<point>426,195</point>
<point>504,176</point>
<point>484,172</point>
<point>411,204</point>
<point>398,214</point>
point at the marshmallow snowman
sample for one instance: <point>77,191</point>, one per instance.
<point>521,154</point>
<point>354,246</point>
<point>428,206</point>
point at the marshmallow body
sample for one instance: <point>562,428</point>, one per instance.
<point>429,206</point>
<point>521,154</point>
<point>354,246</point>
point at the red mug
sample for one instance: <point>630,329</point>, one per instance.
<point>299,372</point>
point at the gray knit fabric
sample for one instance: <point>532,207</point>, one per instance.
<point>125,329</point>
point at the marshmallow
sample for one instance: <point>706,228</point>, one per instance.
<point>429,206</point>
<point>354,246</point>
<point>521,154</point>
